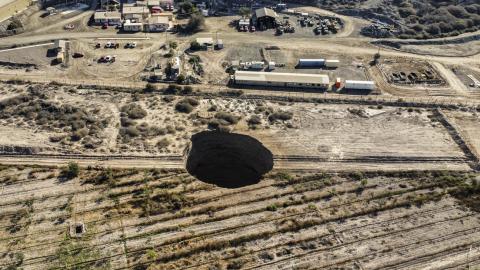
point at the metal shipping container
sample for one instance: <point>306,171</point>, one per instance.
<point>360,85</point>
<point>332,63</point>
<point>311,62</point>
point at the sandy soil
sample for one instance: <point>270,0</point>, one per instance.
<point>308,221</point>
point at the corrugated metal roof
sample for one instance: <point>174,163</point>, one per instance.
<point>135,10</point>
<point>282,77</point>
<point>107,15</point>
<point>157,20</point>
<point>262,12</point>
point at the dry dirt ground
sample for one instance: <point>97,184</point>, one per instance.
<point>469,48</point>
<point>367,136</point>
<point>469,125</point>
<point>161,219</point>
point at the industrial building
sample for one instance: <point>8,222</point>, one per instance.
<point>108,17</point>
<point>265,18</point>
<point>359,85</point>
<point>157,24</point>
<point>298,80</point>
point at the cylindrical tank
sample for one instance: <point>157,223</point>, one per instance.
<point>311,62</point>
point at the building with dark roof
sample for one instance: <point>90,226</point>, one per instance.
<point>265,18</point>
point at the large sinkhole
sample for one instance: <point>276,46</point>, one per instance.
<point>227,160</point>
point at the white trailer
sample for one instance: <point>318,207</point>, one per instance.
<point>271,65</point>
<point>332,63</point>
<point>359,85</point>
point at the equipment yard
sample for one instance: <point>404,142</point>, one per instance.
<point>229,135</point>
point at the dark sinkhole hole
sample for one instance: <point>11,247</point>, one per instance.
<point>227,160</point>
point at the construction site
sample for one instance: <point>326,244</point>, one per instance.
<point>273,136</point>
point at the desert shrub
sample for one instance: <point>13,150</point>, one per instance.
<point>79,134</point>
<point>149,88</point>
<point>168,99</point>
<point>228,118</point>
<point>171,129</point>
<point>126,122</point>
<point>195,46</point>
<point>163,143</point>
<point>195,24</point>
<point>173,89</point>
<point>280,115</point>
<point>254,120</point>
<point>71,171</point>
<point>263,110</point>
<point>132,131</point>
<point>231,93</point>
<point>36,107</point>
<point>186,105</point>
<point>134,111</point>
<point>187,90</point>
<point>272,207</point>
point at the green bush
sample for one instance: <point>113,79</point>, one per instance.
<point>71,171</point>
<point>272,208</point>
<point>195,46</point>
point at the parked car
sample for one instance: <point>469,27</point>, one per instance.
<point>69,26</point>
<point>131,45</point>
<point>109,45</point>
<point>252,28</point>
<point>105,26</point>
<point>98,45</point>
<point>107,59</point>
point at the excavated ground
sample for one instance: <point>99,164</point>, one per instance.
<point>227,159</point>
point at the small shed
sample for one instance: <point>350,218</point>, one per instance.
<point>205,42</point>
<point>219,44</point>
<point>157,24</point>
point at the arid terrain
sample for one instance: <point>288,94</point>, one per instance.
<point>163,219</point>
<point>142,150</point>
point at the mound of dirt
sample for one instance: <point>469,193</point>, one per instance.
<point>227,159</point>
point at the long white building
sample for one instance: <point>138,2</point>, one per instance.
<point>299,80</point>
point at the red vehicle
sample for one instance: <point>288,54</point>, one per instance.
<point>105,26</point>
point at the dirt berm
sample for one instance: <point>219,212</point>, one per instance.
<point>227,160</point>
